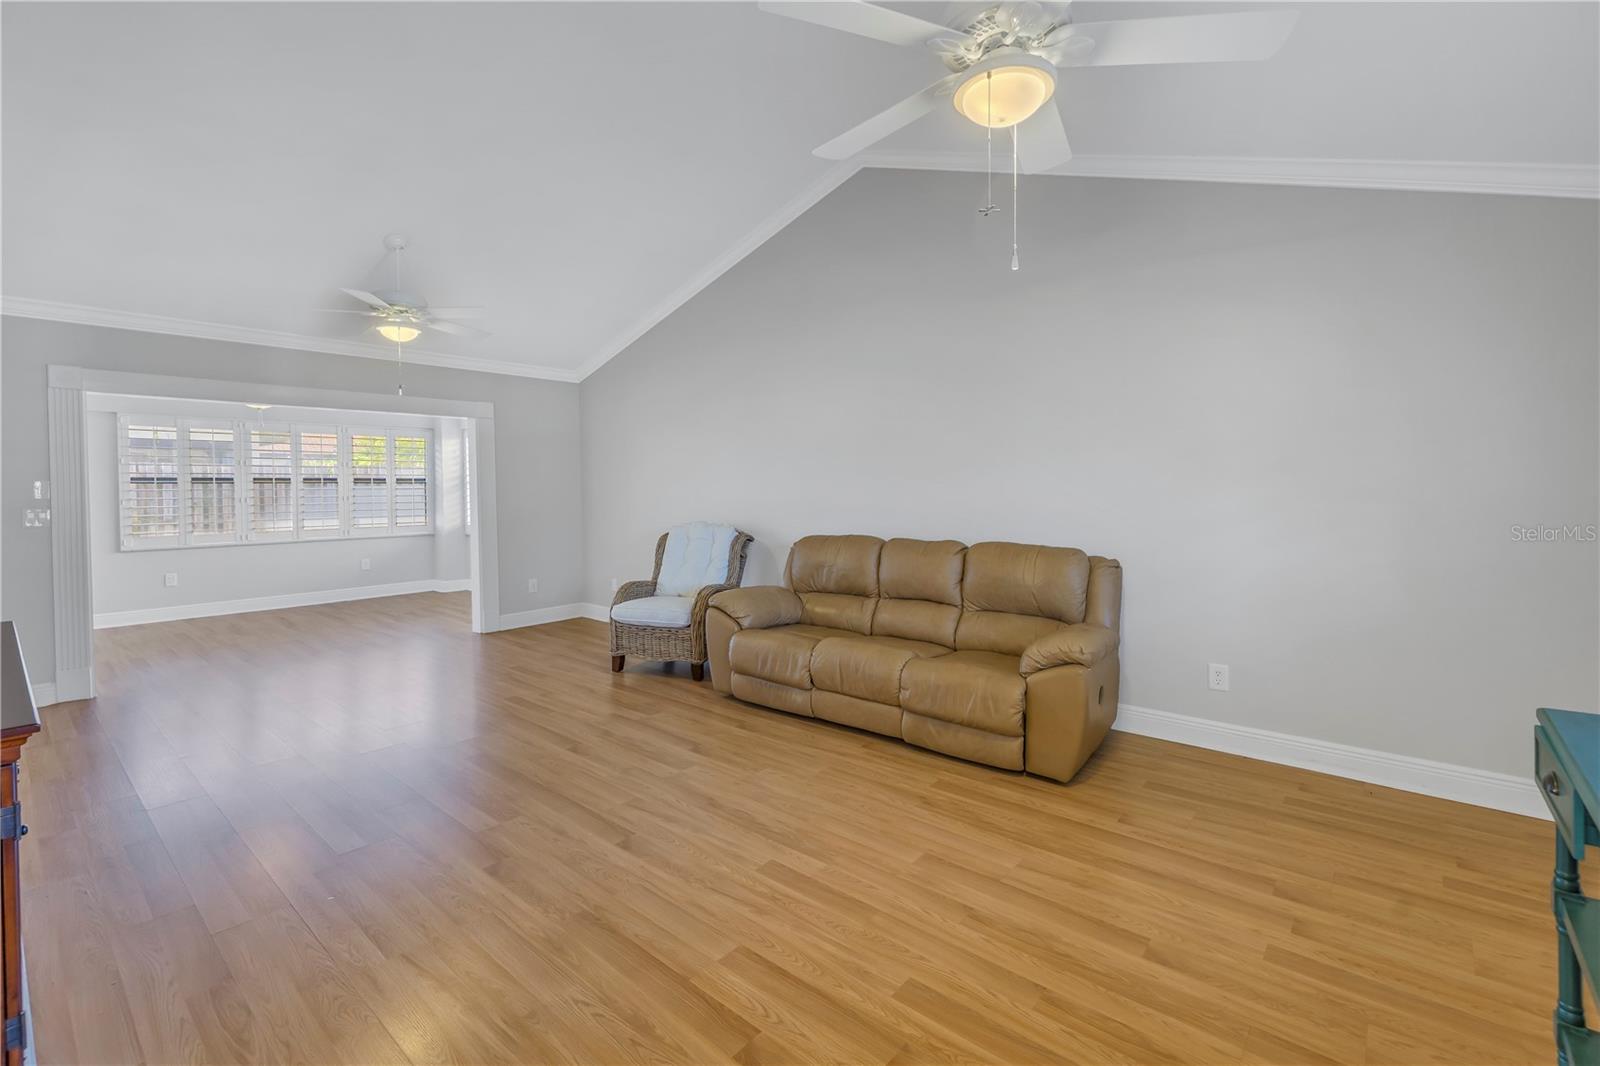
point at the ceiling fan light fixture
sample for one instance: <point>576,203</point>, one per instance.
<point>1005,95</point>
<point>398,332</point>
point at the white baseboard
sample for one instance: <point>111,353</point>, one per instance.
<point>597,612</point>
<point>68,686</point>
<point>559,613</point>
<point>113,619</point>
<point>73,685</point>
<point>1482,788</point>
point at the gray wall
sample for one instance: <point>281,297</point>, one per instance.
<point>535,443</point>
<point>135,580</point>
<point>1306,420</point>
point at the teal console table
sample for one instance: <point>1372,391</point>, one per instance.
<point>1566,753</point>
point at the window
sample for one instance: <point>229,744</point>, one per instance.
<point>271,483</point>
<point>369,473</point>
<point>410,482</point>
<point>192,482</point>
<point>149,496</point>
<point>319,483</point>
<point>211,477</point>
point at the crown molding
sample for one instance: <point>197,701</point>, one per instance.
<point>79,314</point>
<point>802,202</point>
<point>1579,181</point>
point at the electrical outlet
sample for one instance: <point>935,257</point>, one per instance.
<point>615,584</point>
<point>171,580</point>
<point>1217,677</point>
<point>533,584</point>
<point>366,564</point>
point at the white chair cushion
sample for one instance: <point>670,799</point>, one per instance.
<point>696,556</point>
<point>658,612</point>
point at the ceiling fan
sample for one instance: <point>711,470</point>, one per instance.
<point>1003,61</point>
<point>400,316</point>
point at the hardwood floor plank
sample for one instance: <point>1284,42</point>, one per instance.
<point>360,833</point>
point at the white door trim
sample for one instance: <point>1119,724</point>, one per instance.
<point>71,573</point>
<point>69,518</point>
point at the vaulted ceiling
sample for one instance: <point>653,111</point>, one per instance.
<point>579,170</point>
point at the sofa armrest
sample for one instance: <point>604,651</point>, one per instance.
<point>697,618</point>
<point>702,600</point>
<point>760,607</point>
<point>1081,645</point>
<point>633,590</point>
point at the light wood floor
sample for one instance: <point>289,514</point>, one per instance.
<point>357,833</point>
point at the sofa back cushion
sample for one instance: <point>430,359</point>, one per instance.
<point>1012,594</point>
<point>919,582</point>
<point>836,578</point>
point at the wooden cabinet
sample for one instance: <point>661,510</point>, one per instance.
<point>19,720</point>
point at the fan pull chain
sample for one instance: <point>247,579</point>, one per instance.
<point>1014,264</point>
<point>399,348</point>
<point>988,84</point>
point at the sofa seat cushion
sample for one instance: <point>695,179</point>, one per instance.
<point>658,612</point>
<point>858,714</point>
<point>767,694</point>
<point>867,668</point>
<point>781,654</point>
<point>976,745</point>
<point>978,689</point>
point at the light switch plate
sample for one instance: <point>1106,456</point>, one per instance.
<point>171,580</point>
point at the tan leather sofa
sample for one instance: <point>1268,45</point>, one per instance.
<point>1004,654</point>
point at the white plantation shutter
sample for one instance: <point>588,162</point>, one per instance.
<point>210,457</point>
<point>195,482</point>
<point>466,478</point>
<point>271,482</point>
<point>411,453</point>
<point>319,482</point>
<point>369,481</point>
<point>149,476</point>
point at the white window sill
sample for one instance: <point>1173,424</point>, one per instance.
<point>332,538</point>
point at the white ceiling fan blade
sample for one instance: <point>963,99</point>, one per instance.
<point>455,312</point>
<point>349,311</point>
<point>853,16</point>
<point>367,298</point>
<point>886,122</point>
<point>455,327</point>
<point>1042,141</point>
<point>1230,38</point>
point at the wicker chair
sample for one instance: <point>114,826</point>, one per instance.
<point>664,644</point>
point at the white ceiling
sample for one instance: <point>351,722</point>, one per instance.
<point>580,169</point>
